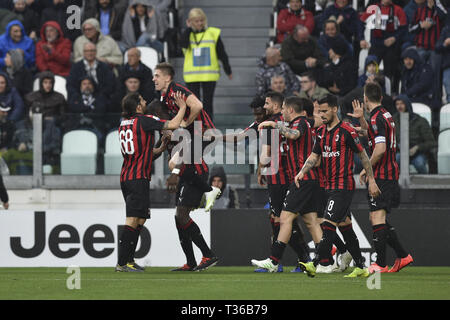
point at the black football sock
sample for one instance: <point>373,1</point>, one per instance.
<point>297,242</point>
<point>134,243</point>
<point>196,235</point>
<point>275,229</point>
<point>392,241</point>
<point>379,242</point>
<point>277,251</point>
<point>352,244</point>
<point>186,245</point>
<point>126,244</point>
<point>340,245</point>
<point>323,250</point>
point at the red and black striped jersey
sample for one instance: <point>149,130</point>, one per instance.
<point>168,98</point>
<point>427,38</point>
<point>382,130</point>
<point>280,173</point>
<point>337,147</point>
<point>137,138</point>
<point>300,149</point>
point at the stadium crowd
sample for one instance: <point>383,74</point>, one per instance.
<point>315,51</point>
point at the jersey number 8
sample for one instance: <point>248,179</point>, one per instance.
<point>126,141</point>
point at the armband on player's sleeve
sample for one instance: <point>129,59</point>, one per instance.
<point>380,139</point>
<point>176,171</point>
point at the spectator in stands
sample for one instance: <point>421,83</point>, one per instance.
<point>271,65</point>
<point>7,129</point>
<point>57,11</point>
<point>290,17</point>
<point>21,77</point>
<point>443,48</point>
<point>162,14</point>
<point>89,99</point>
<point>53,51</point>
<point>52,105</point>
<point>107,49</point>
<point>11,98</point>
<point>109,13</point>
<point>129,82</point>
<point>342,73</point>
<point>331,31</point>
<point>90,66</point>
<point>301,52</point>
<point>278,84</point>
<point>347,18</point>
<point>203,48</point>
<point>310,89</point>
<point>15,38</point>
<point>228,198</point>
<point>309,5</point>
<point>143,72</point>
<point>140,27</point>
<point>46,100</point>
<point>387,38</point>
<point>6,16</point>
<point>417,77</point>
<point>371,69</point>
<point>421,140</point>
<point>29,18</point>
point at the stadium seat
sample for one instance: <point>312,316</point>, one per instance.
<point>388,85</point>
<point>79,152</point>
<point>422,110</point>
<point>60,85</point>
<point>444,117</point>
<point>444,152</point>
<point>149,57</point>
<point>113,156</point>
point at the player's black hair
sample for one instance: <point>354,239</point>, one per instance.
<point>330,99</point>
<point>373,92</point>
<point>294,102</point>
<point>308,106</point>
<point>167,68</point>
<point>275,97</point>
<point>157,108</point>
<point>257,102</point>
<point>129,104</point>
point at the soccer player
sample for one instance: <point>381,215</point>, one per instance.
<point>277,180</point>
<point>189,178</point>
<point>336,141</point>
<point>298,200</point>
<point>136,133</point>
<point>381,133</point>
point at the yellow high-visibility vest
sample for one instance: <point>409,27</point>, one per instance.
<point>200,59</point>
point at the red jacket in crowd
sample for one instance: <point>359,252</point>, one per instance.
<point>287,20</point>
<point>54,57</point>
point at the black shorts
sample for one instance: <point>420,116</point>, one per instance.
<point>389,197</point>
<point>338,205</point>
<point>190,190</point>
<point>304,199</point>
<point>136,194</point>
<point>277,193</point>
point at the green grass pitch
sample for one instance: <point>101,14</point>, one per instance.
<point>220,283</point>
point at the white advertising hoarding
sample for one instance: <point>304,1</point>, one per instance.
<point>88,238</point>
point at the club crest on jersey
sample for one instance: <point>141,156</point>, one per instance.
<point>337,138</point>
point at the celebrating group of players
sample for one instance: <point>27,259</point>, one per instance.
<point>309,173</point>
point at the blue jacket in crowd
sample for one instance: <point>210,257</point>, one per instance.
<point>444,51</point>
<point>11,98</point>
<point>417,83</point>
<point>26,44</point>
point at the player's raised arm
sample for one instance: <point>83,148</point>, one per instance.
<point>176,121</point>
<point>312,161</point>
<point>358,113</point>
